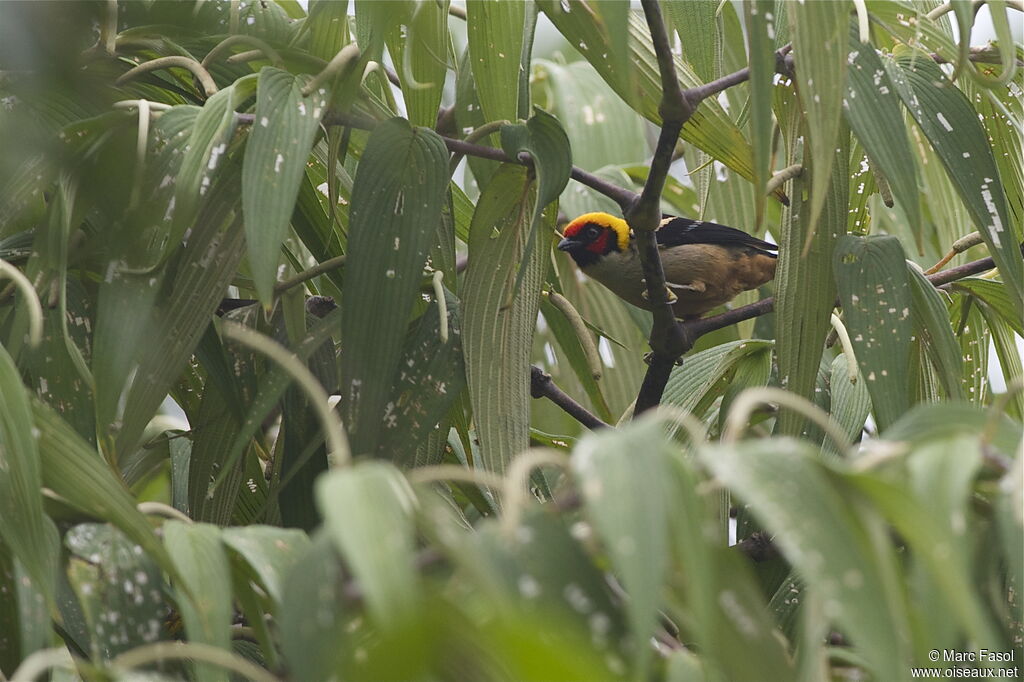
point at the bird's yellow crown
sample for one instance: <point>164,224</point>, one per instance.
<point>619,225</point>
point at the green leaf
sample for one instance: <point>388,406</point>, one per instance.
<point>312,615</point>
<point>269,552</point>
<point>872,109</point>
<point>397,199</point>
<point>420,50</point>
<point>696,22</point>
<point>189,294</point>
<point>24,528</point>
<point>283,130</point>
<point>366,510</point>
<point>931,325</point>
<point>929,532</point>
<point>804,289</point>
<point>760,24</point>
<point>74,470</point>
<point>602,130</point>
<point>706,375</point>
<point>819,46</point>
<point>709,129</point>
<point>205,574</point>
<point>118,587</point>
<point>622,475</point>
<point>875,292</point>
<point>432,376</point>
<point>946,421</point>
<point>850,402</point>
<point>495,31</point>
<point>494,319</point>
<point>722,599</point>
<point>951,125</point>
<point>328,27</point>
<point>838,547</point>
<point>547,143</point>
<point>212,131</point>
<point>996,296</point>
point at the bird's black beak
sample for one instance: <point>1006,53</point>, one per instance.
<point>568,244</point>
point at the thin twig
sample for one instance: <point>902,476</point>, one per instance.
<point>698,328</point>
<point>541,386</point>
<point>305,275</point>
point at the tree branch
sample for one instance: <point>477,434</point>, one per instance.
<point>668,340</point>
<point>541,386</point>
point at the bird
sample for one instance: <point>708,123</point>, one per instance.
<point>705,264</point>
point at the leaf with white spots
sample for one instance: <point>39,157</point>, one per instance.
<point>709,129</point>
<point>282,135</point>
<point>212,131</point>
<point>838,547</point>
<point>872,108</point>
<point>495,31</point>
<point>397,198</point>
<point>367,511</point>
<point>874,289</point>
<point>73,469</point>
<point>622,476</point>
<point>951,124</point>
<point>119,587</point>
<point>819,31</point>
<point>431,375</point>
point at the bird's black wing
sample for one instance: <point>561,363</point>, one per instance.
<point>678,231</point>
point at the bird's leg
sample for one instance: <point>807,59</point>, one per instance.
<point>697,286</point>
<point>672,298</point>
<point>649,355</point>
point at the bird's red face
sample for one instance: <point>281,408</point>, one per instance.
<point>594,235</point>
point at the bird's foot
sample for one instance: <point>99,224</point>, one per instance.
<point>672,298</point>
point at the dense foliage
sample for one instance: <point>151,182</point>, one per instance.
<point>237,210</point>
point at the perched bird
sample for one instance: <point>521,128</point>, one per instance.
<point>705,264</point>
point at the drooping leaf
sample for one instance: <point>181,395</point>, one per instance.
<point>285,124</point>
<point>203,564</point>
<point>626,499</point>
<point>875,292</point>
<point>366,510</point>
<point>420,51</point>
<point>543,137</point>
<point>495,31</point>
<point>819,31</point>
<point>840,548</point>
<point>931,325</point>
<point>432,376</point>
<point>709,129</point>
<point>871,106</point>
<point>396,206</point>
<point>74,470</point>
<point>269,552</point>
<point>24,528</point>
<point>493,319</point>
<point>951,125</point>
<point>760,25</point>
<point>118,587</point>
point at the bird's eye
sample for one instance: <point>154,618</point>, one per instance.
<point>592,232</point>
